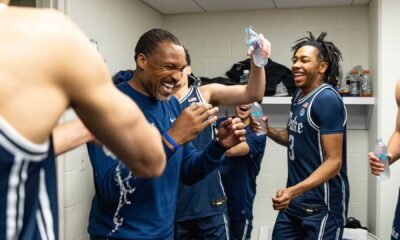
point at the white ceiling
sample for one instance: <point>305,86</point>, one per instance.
<point>199,6</point>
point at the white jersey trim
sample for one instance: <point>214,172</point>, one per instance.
<point>12,199</point>
<point>20,140</point>
<point>45,207</point>
<point>187,95</point>
<point>322,227</point>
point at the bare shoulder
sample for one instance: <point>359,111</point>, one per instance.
<point>397,93</point>
<point>41,24</point>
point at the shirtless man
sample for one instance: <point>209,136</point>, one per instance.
<point>46,65</point>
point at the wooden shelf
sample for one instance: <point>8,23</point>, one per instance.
<point>347,100</point>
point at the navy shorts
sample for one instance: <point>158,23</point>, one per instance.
<point>240,230</point>
<point>396,221</point>
<point>306,222</point>
<point>208,228</point>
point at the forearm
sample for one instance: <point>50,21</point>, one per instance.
<point>279,136</point>
<point>394,147</point>
<point>328,170</point>
<point>70,135</point>
<point>239,150</point>
<point>197,164</point>
<point>256,84</point>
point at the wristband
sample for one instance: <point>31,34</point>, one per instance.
<point>170,140</point>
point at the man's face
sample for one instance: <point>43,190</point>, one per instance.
<point>307,69</point>
<point>243,111</point>
<point>163,70</point>
<point>185,78</point>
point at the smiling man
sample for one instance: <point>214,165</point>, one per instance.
<point>314,203</point>
<point>125,207</point>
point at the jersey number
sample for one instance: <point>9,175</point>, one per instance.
<point>291,147</point>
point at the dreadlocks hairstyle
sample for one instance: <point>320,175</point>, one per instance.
<point>149,41</point>
<point>328,52</point>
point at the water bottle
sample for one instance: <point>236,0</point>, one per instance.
<point>381,153</point>
<point>257,114</point>
<point>354,84</point>
<point>244,77</point>
<point>252,40</point>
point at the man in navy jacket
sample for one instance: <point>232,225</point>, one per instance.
<point>125,207</point>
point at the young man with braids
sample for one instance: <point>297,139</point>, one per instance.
<point>314,203</point>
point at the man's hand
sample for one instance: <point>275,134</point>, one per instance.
<point>255,126</point>
<point>265,46</point>
<point>282,199</point>
<point>192,121</point>
<point>231,132</point>
<point>377,167</point>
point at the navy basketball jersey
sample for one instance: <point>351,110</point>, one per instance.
<point>206,197</point>
<point>207,135</point>
<point>320,112</point>
<point>28,200</point>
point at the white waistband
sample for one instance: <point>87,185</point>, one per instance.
<point>20,140</point>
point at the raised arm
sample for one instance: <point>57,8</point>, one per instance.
<point>218,94</point>
<point>111,116</point>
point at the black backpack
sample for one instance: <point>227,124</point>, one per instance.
<point>275,73</point>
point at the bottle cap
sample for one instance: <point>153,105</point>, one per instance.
<point>366,71</point>
<point>354,72</point>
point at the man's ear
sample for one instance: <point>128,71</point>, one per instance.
<point>141,61</point>
<point>323,66</point>
<point>188,70</point>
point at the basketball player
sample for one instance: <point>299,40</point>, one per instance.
<point>46,65</point>
<point>314,203</point>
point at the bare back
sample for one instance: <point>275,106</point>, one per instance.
<point>32,98</point>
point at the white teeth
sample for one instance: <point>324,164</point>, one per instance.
<point>167,85</point>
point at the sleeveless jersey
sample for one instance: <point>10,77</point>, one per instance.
<point>320,112</point>
<point>206,197</point>
<point>28,200</point>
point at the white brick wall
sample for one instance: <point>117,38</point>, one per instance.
<point>223,34</point>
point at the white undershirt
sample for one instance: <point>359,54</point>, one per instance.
<point>3,6</point>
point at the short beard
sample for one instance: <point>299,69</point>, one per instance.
<point>162,98</point>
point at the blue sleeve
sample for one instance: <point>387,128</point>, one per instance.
<point>256,145</point>
<point>328,112</point>
<point>108,173</point>
<point>197,164</point>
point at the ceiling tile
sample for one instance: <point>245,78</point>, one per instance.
<point>234,5</point>
<point>174,6</point>
<point>311,3</point>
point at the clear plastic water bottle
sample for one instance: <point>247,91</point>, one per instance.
<point>257,114</point>
<point>252,40</point>
<point>381,153</point>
